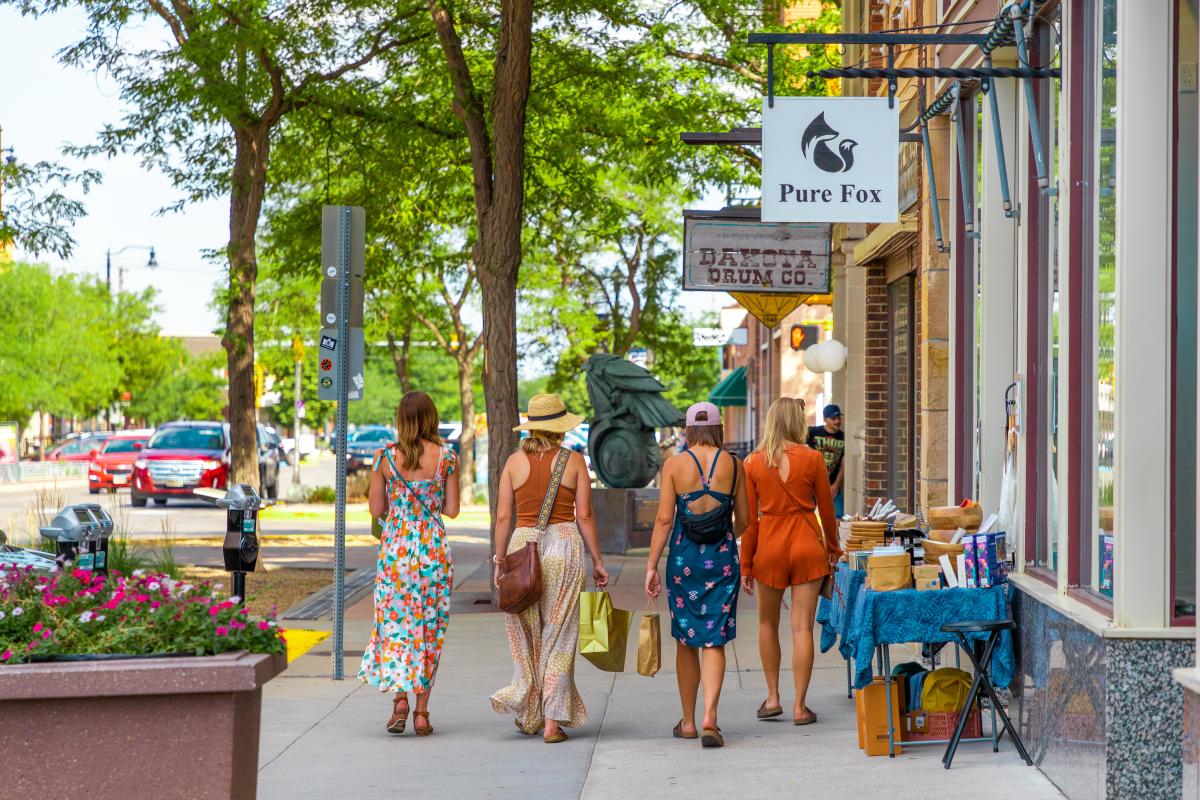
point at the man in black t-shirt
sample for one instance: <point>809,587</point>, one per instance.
<point>830,442</point>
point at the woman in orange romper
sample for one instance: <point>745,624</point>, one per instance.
<point>786,546</point>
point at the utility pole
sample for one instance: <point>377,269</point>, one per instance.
<point>297,410</point>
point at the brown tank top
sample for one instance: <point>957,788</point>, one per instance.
<point>531,493</point>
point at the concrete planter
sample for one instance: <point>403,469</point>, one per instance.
<point>158,727</point>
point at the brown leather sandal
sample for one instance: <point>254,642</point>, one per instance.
<point>809,718</point>
<point>678,733</point>
<point>767,713</point>
<point>428,729</point>
<point>399,717</point>
<point>712,738</point>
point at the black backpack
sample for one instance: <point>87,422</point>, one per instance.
<point>710,527</point>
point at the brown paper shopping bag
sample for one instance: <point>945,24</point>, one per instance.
<point>649,656</point>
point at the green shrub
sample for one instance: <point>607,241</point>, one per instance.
<point>321,494</point>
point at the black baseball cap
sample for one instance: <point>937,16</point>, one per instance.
<point>831,411</point>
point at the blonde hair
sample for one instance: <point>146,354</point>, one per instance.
<point>541,441</point>
<point>416,423</point>
<point>786,422</point>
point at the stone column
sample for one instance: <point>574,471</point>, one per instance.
<point>933,355</point>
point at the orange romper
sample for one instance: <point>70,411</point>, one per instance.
<point>782,544</point>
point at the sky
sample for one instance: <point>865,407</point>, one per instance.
<point>44,106</point>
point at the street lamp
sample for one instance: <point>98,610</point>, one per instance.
<point>151,262</point>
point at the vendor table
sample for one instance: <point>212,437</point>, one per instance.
<point>870,621</point>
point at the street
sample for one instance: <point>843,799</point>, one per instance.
<point>183,518</point>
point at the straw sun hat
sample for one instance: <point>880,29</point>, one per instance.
<point>547,413</point>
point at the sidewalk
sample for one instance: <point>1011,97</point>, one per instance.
<point>322,738</point>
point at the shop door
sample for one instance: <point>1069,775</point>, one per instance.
<point>901,393</point>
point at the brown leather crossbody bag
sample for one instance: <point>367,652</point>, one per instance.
<point>520,581</point>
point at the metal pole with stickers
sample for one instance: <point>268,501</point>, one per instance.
<point>340,370</point>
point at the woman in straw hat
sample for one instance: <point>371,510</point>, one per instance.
<point>545,637</point>
<point>702,509</point>
<point>787,546</point>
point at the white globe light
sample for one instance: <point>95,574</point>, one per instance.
<point>834,357</point>
<point>813,358</point>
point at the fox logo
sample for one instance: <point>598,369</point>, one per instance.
<point>823,155</point>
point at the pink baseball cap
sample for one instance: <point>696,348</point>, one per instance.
<point>712,415</point>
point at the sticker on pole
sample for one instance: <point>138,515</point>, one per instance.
<point>327,366</point>
<point>830,159</point>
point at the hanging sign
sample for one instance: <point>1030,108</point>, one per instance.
<point>719,337</point>
<point>740,255</point>
<point>830,159</point>
<point>769,309</point>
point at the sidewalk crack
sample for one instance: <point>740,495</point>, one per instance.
<point>309,729</point>
<point>596,740</point>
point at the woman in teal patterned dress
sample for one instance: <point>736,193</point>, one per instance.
<point>415,483</point>
<point>702,579</point>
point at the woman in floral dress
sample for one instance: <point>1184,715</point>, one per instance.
<point>414,483</point>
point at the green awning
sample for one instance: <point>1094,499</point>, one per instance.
<point>731,391</point>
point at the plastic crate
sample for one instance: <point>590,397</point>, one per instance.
<point>925,726</point>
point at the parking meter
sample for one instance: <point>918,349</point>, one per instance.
<point>80,534</point>
<point>241,503</point>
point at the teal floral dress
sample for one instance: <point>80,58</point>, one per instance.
<point>413,578</point>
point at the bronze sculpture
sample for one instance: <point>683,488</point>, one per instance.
<point>628,406</point>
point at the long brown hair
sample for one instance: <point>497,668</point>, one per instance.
<point>416,422</point>
<point>785,423</point>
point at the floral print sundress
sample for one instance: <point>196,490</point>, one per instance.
<point>414,575</point>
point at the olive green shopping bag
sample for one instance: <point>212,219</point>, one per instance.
<point>603,631</point>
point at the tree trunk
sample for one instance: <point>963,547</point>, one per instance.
<point>466,441</point>
<point>400,356</point>
<point>245,204</point>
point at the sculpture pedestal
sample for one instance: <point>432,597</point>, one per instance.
<point>624,517</point>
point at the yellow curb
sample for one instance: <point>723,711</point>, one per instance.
<point>300,641</point>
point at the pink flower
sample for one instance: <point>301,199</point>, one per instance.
<point>37,627</point>
<point>222,630</point>
<point>142,598</point>
<point>237,626</point>
<point>263,625</point>
<point>212,612</point>
<point>6,655</point>
<point>46,633</point>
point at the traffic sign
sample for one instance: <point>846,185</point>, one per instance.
<point>329,350</point>
<point>331,253</point>
<point>329,301</point>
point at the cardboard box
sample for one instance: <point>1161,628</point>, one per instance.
<point>991,559</point>
<point>967,578</point>
<point>927,577</point>
<point>871,704</point>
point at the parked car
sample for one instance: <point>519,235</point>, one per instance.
<point>112,467</point>
<point>362,444</point>
<point>78,446</point>
<point>451,433</point>
<point>180,458</point>
<point>306,447</point>
<point>270,456</point>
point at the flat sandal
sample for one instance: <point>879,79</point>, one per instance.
<point>768,713</point>
<point>809,719</point>
<point>561,736</point>
<point>678,733</point>
<point>712,738</point>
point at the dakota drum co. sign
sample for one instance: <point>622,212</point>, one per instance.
<point>830,159</point>
<point>741,255</point>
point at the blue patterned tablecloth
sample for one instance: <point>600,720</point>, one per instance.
<point>834,615</point>
<point>911,616</point>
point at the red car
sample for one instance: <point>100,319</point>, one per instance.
<point>112,467</point>
<point>180,458</point>
<point>78,447</point>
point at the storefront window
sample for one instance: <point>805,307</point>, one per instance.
<point>1187,107</point>
<point>1100,560</point>
<point>901,375</point>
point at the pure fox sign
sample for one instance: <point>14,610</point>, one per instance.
<point>830,159</point>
